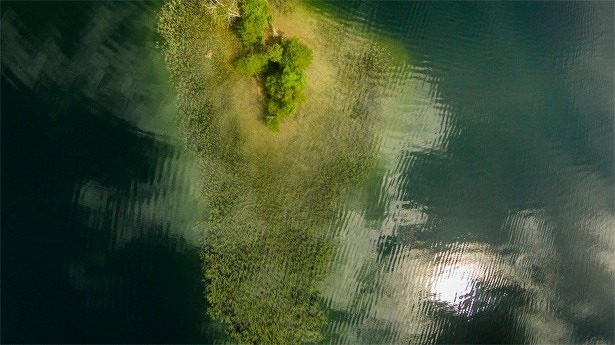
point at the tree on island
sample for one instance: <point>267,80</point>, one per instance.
<point>281,66</point>
<point>255,17</point>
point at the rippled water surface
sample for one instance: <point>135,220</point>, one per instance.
<point>487,217</point>
<point>490,218</point>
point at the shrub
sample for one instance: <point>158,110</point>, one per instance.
<point>296,55</point>
<point>252,64</point>
<point>255,17</point>
<point>274,53</point>
<point>285,91</point>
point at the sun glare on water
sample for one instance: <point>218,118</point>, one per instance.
<point>454,286</point>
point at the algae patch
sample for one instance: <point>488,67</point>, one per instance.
<point>271,197</point>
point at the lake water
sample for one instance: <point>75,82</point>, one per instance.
<point>488,217</point>
<point>98,195</point>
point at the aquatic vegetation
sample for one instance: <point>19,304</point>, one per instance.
<point>271,197</point>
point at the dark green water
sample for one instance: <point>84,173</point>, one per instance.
<point>98,194</point>
<point>488,219</point>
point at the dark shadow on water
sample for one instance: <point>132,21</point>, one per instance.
<point>65,279</point>
<point>92,250</point>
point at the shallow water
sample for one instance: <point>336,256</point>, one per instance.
<point>486,218</point>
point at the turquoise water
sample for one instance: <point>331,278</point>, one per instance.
<point>487,218</point>
<point>491,218</point>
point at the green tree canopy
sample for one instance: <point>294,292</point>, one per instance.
<point>252,64</point>
<point>255,17</point>
<point>274,53</point>
<point>296,54</point>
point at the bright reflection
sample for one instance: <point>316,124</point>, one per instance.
<point>454,286</point>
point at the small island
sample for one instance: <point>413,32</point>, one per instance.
<point>272,191</point>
